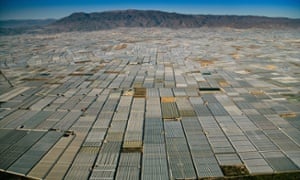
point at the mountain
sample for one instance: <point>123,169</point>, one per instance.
<point>138,18</point>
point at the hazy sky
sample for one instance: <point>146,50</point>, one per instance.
<point>41,9</point>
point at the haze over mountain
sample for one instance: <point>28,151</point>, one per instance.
<point>25,23</point>
<point>141,18</point>
<point>11,27</point>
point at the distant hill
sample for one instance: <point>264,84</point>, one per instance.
<point>25,23</point>
<point>20,26</point>
<point>140,18</point>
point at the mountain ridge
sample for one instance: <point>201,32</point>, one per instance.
<point>152,18</point>
<point>80,21</point>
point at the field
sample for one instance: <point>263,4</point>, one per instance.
<point>152,103</point>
